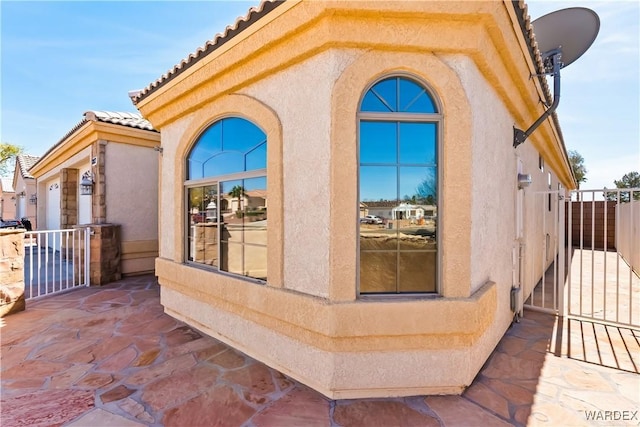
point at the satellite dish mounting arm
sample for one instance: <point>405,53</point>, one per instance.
<point>553,62</point>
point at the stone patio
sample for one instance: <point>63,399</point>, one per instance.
<point>109,356</point>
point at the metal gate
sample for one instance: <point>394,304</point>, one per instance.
<point>589,260</point>
<point>55,261</point>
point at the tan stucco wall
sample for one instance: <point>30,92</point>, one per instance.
<point>306,159</point>
<point>303,90</point>
<point>131,174</point>
<point>538,221</point>
<point>275,326</point>
<point>8,205</point>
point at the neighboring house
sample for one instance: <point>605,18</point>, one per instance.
<point>383,208</point>
<point>249,201</point>
<point>364,210</point>
<point>323,107</point>
<point>7,199</point>
<point>407,211</point>
<point>24,185</point>
<point>115,153</point>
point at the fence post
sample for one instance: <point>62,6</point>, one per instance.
<point>561,251</point>
<point>87,255</point>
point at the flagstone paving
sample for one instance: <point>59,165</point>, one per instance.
<point>109,356</point>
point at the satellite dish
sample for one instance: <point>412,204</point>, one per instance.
<point>571,30</point>
<point>562,36</point>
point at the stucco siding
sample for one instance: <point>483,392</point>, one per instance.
<point>538,220</point>
<point>132,190</point>
<point>301,97</point>
<point>170,181</point>
<point>493,198</point>
<point>8,205</point>
<point>494,184</point>
<point>131,174</point>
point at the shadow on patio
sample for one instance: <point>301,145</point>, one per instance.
<point>109,356</point>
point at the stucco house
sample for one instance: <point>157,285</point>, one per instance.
<point>24,185</point>
<point>114,154</point>
<point>7,199</point>
<point>324,107</point>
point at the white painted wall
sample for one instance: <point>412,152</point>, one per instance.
<point>21,207</point>
<point>53,204</point>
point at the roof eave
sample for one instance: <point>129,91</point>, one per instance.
<point>240,25</point>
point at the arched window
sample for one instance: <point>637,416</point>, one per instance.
<point>226,194</point>
<point>398,178</point>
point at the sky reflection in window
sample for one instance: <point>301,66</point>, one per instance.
<point>228,146</point>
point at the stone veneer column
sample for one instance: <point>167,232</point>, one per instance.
<point>105,255</point>
<point>11,272</point>
<point>69,198</point>
<point>99,198</point>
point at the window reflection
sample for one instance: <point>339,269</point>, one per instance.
<point>203,225</point>
<point>398,190</point>
<point>417,272</point>
<point>228,146</point>
<point>378,272</point>
<point>410,152</point>
<point>227,226</point>
<point>244,227</point>
<point>398,95</point>
<point>378,142</point>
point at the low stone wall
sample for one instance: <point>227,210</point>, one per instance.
<point>11,272</point>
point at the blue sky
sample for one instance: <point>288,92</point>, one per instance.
<point>60,59</point>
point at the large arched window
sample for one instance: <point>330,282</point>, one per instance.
<point>226,199</point>
<point>398,178</point>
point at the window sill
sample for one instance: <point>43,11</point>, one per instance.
<point>225,273</point>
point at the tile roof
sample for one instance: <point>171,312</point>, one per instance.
<point>6,185</point>
<point>134,120</point>
<point>380,204</point>
<point>527,29</point>
<point>242,23</point>
<point>255,13</point>
<point>25,161</point>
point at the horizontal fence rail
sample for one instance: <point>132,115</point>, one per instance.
<point>55,261</point>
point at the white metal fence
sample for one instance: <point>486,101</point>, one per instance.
<point>548,255</point>
<point>593,262</point>
<point>55,261</point>
<point>602,284</point>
